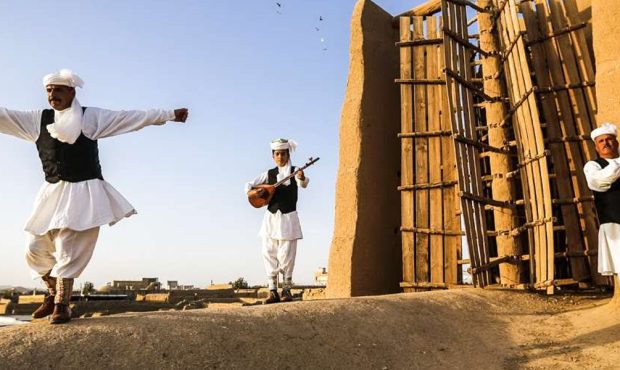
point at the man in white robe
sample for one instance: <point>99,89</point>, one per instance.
<point>602,175</point>
<point>74,201</point>
<point>280,229</point>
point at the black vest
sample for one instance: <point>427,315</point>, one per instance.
<point>608,202</point>
<point>285,198</point>
<point>67,162</point>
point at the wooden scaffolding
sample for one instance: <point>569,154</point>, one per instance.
<point>494,136</point>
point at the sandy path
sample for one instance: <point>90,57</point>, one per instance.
<point>466,329</point>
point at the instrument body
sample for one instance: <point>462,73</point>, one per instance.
<point>261,195</point>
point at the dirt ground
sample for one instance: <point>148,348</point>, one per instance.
<point>457,329</point>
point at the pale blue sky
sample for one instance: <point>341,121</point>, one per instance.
<point>247,74</point>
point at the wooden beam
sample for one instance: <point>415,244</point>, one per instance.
<point>444,184</point>
<point>424,285</point>
<point>419,81</point>
<point>563,31</point>
<point>418,42</point>
<point>563,119</point>
<point>451,208</point>
<point>423,10</point>
<point>406,125</point>
<point>434,116</point>
<point>459,73</point>
<point>418,230</point>
<point>424,134</point>
<point>421,157</point>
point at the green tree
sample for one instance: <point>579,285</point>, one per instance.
<point>240,283</point>
<point>88,288</point>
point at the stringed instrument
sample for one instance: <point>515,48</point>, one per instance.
<point>261,195</point>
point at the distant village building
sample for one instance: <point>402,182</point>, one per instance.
<point>173,284</point>
<point>320,276</point>
<point>144,284</point>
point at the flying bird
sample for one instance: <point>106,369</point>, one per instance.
<point>316,28</point>
<point>320,18</point>
<point>279,5</point>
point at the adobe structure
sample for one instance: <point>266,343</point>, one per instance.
<point>465,128</point>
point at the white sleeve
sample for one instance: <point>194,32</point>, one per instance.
<point>600,179</point>
<point>99,123</point>
<point>21,124</point>
<point>304,183</point>
<point>261,179</point>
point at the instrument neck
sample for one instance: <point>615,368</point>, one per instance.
<point>293,173</point>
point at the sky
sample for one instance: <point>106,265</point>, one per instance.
<point>249,72</point>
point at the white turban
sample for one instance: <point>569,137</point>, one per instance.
<point>283,144</point>
<point>604,129</point>
<point>67,125</point>
<point>63,77</point>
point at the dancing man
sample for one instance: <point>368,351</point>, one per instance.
<point>603,176</point>
<point>75,200</point>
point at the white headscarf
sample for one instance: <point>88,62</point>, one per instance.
<point>604,129</point>
<point>283,144</point>
<point>67,125</point>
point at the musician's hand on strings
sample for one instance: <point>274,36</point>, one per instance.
<point>300,175</point>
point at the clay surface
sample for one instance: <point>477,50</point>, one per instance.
<point>606,30</point>
<point>456,329</point>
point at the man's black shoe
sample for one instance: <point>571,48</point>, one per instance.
<point>273,297</point>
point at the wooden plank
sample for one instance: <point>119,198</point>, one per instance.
<point>567,158</point>
<point>407,198</point>
<point>549,20</point>
<point>428,8</point>
<point>540,171</point>
<point>561,46</point>
<point>425,285</point>
<point>584,60</point>
<point>502,188</point>
<point>460,97</point>
<point>421,157</point>
<point>452,96</point>
<point>425,134</point>
<point>443,184</point>
<point>451,209</point>
<point>578,68</point>
<point>479,216</point>
<point>530,144</point>
<point>457,111</point>
<point>474,153</point>
<point>434,152</point>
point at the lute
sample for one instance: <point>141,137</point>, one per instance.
<point>261,195</point>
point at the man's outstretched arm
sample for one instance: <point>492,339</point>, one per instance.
<point>99,123</point>
<point>21,124</point>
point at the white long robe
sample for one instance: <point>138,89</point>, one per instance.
<point>600,179</point>
<point>279,226</point>
<point>82,205</point>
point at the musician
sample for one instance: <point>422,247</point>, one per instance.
<point>280,229</point>
<point>75,200</point>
